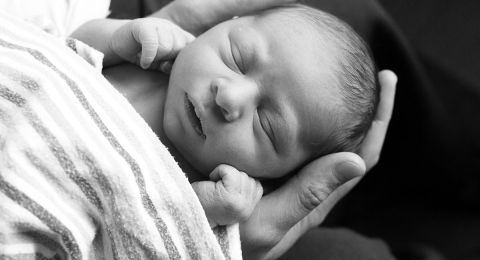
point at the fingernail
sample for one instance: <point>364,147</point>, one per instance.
<point>166,67</point>
<point>348,170</point>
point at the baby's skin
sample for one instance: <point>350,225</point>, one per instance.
<point>230,195</point>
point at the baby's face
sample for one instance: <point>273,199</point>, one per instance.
<point>249,93</point>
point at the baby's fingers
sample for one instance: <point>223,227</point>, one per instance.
<point>171,42</point>
<point>223,172</point>
<point>149,42</point>
<point>258,191</point>
<point>160,41</point>
<point>169,47</point>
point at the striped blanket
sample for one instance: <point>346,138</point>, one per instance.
<point>82,176</point>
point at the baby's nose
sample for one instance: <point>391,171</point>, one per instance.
<point>234,98</point>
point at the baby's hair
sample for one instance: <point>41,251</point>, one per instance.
<point>355,72</point>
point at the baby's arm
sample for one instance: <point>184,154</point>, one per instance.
<point>229,197</point>
<point>140,41</point>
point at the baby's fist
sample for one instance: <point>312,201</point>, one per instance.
<point>238,193</point>
<point>148,41</point>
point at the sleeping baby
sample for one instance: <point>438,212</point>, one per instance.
<point>253,98</point>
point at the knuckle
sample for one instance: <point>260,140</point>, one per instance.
<point>312,196</point>
<point>223,168</point>
<point>138,23</point>
<point>243,175</point>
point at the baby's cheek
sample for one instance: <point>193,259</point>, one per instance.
<point>229,150</point>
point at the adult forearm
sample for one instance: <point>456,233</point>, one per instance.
<point>183,16</point>
<point>197,16</point>
<point>98,34</point>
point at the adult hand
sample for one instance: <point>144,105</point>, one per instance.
<point>197,16</point>
<point>282,216</point>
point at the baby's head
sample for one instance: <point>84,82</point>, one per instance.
<point>270,92</point>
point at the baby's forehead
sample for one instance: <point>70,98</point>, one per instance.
<point>301,29</point>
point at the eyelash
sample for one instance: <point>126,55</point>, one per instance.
<point>235,60</point>
<point>241,68</point>
<point>264,128</point>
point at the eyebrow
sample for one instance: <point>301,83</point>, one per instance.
<point>248,49</point>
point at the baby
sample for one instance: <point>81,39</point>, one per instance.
<point>255,97</point>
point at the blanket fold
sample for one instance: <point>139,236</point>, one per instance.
<point>82,176</point>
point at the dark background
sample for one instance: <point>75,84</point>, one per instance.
<point>444,31</point>
<point>430,207</point>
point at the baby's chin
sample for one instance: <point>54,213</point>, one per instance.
<point>189,164</point>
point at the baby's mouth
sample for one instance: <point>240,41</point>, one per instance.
<point>193,117</point>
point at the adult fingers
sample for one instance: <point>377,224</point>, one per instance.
<point>199,16</point>
<point>373,142</point>
<point>318,180</point>
<point>280,210</point>
<point>313,219</point>
<point>250,6</point>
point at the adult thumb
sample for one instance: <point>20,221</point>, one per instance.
<point>308,189</point>
<point>321,178</point>
<point>320,185</point>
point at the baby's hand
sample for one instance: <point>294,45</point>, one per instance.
<point>230,198</point>
<point>148,41</point>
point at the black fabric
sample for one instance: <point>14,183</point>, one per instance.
<point>421,126</point>
<point>425,191</point>
<point>432,148</point>
<point>338,244</point>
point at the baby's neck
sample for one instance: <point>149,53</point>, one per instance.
<point>146,91</point>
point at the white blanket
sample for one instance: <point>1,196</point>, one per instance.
<point>82,176</point>
<point>57,17</point>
